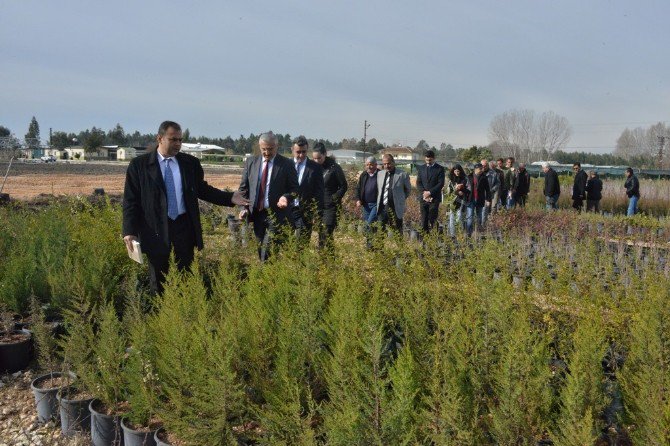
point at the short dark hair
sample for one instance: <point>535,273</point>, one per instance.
<point>576,163</point>
<point>501,160</point>
<point>429,154</point>
<point>165,125</point>
<point>630,170</point>
<point>511,158</point>
<point>321,148</point>
<point>300,141</point>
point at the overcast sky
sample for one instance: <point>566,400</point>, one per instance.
<point>433,70</point>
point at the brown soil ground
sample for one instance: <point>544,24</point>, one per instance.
<point>29,180</point>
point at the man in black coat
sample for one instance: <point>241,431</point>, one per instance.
<point>429,182</point>
<point>632,186</point>
<point>578,187</point>
<point>308,208</point>
<point>160,204</point>
<point>552,187</point>
<point>520,186</point>
<point>270,183</point>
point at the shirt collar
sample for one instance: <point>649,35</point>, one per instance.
<point>161,158</point>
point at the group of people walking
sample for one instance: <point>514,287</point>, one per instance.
<point>280,194</point>
<point>587,187</point>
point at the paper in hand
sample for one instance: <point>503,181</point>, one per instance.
<point>136,255</point>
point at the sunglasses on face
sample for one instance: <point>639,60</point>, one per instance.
<point>301,152</point>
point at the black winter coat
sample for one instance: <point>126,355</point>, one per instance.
<point>632,186</point>
<point>145,200</point>
<point>483,190</point>
<point>551,184</point>
<point>579,185</point>
<point>335,186</point>
<point>594,188</point>
<point>521,183</point>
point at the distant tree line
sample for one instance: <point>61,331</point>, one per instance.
<point>524,134</point>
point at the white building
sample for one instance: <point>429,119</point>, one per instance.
<point>349,156</point>
<point>198,149</point>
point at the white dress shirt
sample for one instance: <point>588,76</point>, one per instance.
<point>266,201</point>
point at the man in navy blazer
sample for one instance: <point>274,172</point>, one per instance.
<point>160,204</point>
<point>429,183</point>
<point>308,208</point>
<point>270,183</point>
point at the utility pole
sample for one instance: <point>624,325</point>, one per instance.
<point>661,145</point>
<point>366,126</point>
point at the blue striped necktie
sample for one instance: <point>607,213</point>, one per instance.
<point>173,209</point>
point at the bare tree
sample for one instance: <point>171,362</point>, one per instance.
<point>523,132</point>
<point>640,141</point>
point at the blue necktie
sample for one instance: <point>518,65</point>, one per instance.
<point>173,209</point>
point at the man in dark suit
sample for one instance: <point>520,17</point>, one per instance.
<point>270,183</point>
<point>160,204</point>
<point>430,182</point>
<point>308,207</point>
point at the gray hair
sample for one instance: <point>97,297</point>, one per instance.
<point>371,159</point>
<point>268,137</point>
<point>522,165</point>
<point>545,165</point>
<point>592,172</point>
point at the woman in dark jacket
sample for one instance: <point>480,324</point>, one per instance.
<point>459,187</point>
<point>594,189</point>
<point>335,186</point>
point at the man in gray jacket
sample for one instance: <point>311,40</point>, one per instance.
<point>393,188</point>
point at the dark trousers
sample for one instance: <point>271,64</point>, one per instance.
<point>326,236</point>
<point>386,216</point>
<point>578,204</point>
<point>268,232</point>
<point>182,242</point>
<point>593,205</point>
<point>429,213</point>
<point>304,232</point>
<point>520,200</point>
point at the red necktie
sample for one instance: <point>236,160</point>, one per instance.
<point>261,192</point>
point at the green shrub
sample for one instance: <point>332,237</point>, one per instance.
<point>200,393</point>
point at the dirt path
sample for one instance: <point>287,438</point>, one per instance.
<point>26,181</point>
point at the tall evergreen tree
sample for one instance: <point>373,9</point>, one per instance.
<point>33,136</point>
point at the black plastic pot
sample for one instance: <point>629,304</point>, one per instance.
<point>74,414</point>
<point>133,437</point>
<point>46,399</point>
<point>105,429</point>
<point>157,438</point>
<point>15,356</point>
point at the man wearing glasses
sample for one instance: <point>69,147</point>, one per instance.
<point>308,207</point>
<point>160,204</point>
